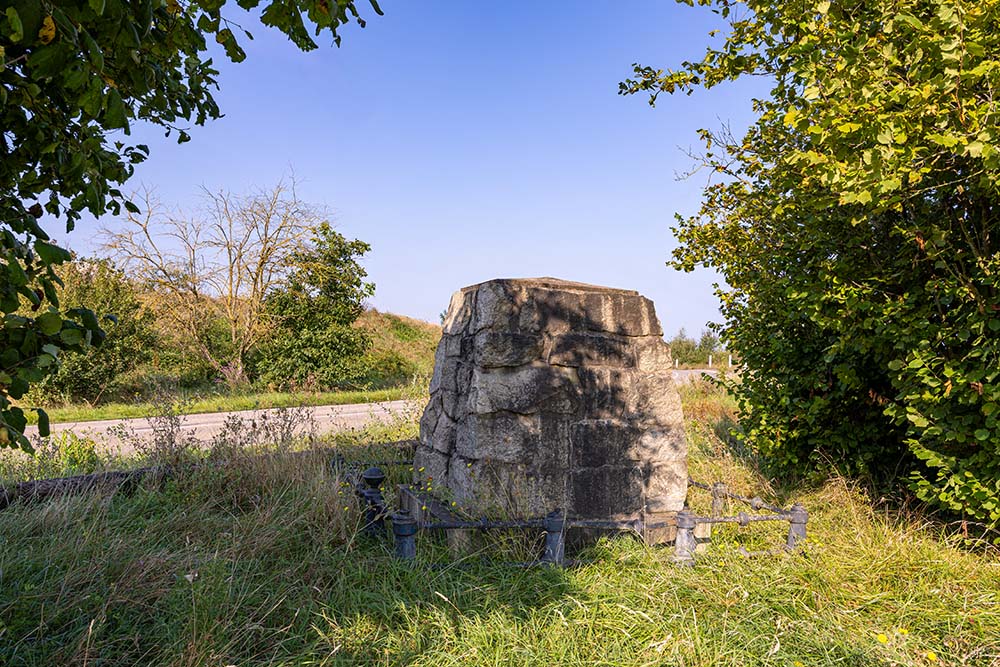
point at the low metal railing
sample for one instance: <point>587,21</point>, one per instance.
<point>406,526</point>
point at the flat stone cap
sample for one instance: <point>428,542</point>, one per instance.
<point>547,282</point>
<point>552,305</point>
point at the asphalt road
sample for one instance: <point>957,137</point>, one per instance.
<point>327,418</point>
<point>692,374</point>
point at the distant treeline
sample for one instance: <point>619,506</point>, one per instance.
<point>691,352</point>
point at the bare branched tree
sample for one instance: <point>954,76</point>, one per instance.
<point>213,269</point>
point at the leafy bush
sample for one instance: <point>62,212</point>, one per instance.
<point>109,370</point>
<point>856,227</point>
<point>178,362</point>
<point>76,455</point>
<point>314,345</point>
<point>387,368</point>
<point>314,359</point>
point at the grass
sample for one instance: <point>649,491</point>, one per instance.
<point>258,562</point>
<point>411,340</point>
<point>222,402</point>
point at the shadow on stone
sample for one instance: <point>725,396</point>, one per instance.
<point>550,394</point>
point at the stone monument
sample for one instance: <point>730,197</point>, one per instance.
<point>549,394</point>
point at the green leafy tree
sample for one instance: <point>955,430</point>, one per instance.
<point>110,369</point>
<point>683,348</point>
<point>74,76</point>
<point>314,343</point>
<point>327,283</point>
<point>856,227</point>
<point>708,343</point>
<point>688,351</point>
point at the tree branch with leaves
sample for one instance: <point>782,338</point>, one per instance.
<point>856,227</point>
<point>74,78</point>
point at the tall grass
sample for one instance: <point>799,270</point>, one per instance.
<point>259,562</point>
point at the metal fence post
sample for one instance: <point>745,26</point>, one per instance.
<point>555,538</point>
<point>703,531</point>
<point>372,478</point>
<point>404,530</point>
<point>685,544</point>
<point>797,525</point>
<point>719,491</point>
<point>374,512</point>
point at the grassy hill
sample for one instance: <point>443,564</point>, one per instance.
<point>402,347</point>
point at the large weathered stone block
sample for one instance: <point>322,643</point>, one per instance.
<point>608,393</point>
<point>587,350</point>
<point>664,482</point>
<point>515,490</point>
<point>549,394</point>
<point>430,465</point>
<point>524,390</point>
<point>658,403</point>
<point>602,442</point>
<point>460,311</point>
<point>660,445</point>
<point>502,436</point>
<point>495,349</point>
<point>613,492</point>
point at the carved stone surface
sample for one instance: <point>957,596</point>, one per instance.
<point>552,394</point>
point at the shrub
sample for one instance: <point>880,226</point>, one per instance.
<point>387,368</point>
<point>687,351</point>
<point>107,371</point>
<point>856,227</point>
<point>314,359</point>
<point>314,344</point>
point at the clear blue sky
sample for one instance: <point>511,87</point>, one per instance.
<point>472,140</point>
